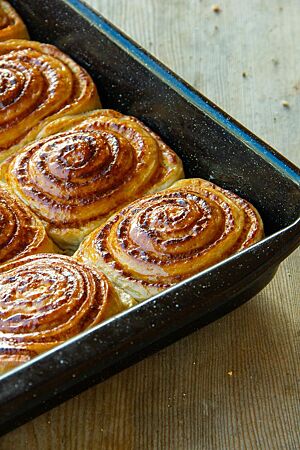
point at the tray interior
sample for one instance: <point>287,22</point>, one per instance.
<point>231,158</point>
<point>208,149</point>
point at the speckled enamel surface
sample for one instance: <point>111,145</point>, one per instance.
<point>212,146</point>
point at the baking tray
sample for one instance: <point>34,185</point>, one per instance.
<point>212,145</point>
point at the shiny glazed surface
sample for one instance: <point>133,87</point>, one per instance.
<point>38,82</point>
<point>21,232</point>
<point>161,239</point>
<point>217,341</point>
<point>46,299</point>
<point>11,24</point>
<point>98,163</point>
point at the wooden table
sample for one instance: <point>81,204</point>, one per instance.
<point>235,383</point>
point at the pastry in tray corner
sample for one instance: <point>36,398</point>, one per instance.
<point>21,232</point>
<point>164,238</point>
<point>38,83</point>
<point>11,24</point>
<point>95,164</point>
<point>46,299</point>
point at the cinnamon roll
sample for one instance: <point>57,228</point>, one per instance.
<point>11,24</point>
<point>46,299</point>
<point>38,83</point>
<point>21,232</point>
<point>97,163</point>
<point>164,238</point>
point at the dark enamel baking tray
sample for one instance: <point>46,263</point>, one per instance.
<point>213,146</point>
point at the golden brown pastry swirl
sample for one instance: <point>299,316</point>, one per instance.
<point>74,180</point>
<point>21,232</point>
<point>164,238</point>
<point>11,24</point>
<point>38,83</point>
<point>46,299</point>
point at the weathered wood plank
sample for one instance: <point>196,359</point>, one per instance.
<point>235,383</point>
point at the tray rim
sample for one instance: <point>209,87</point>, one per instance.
<point>232,126</point>
<point>186,90</point>
<point>136,307</point>
<point>217,114</point>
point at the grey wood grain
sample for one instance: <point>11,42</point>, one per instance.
<point>235,383</point>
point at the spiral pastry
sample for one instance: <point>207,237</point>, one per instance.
<point>11,24</point>
<point>159,240</point>
<point>21,232</point>
<point>47,299</point>
<point>76,179</point>
<point>38,83</point>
